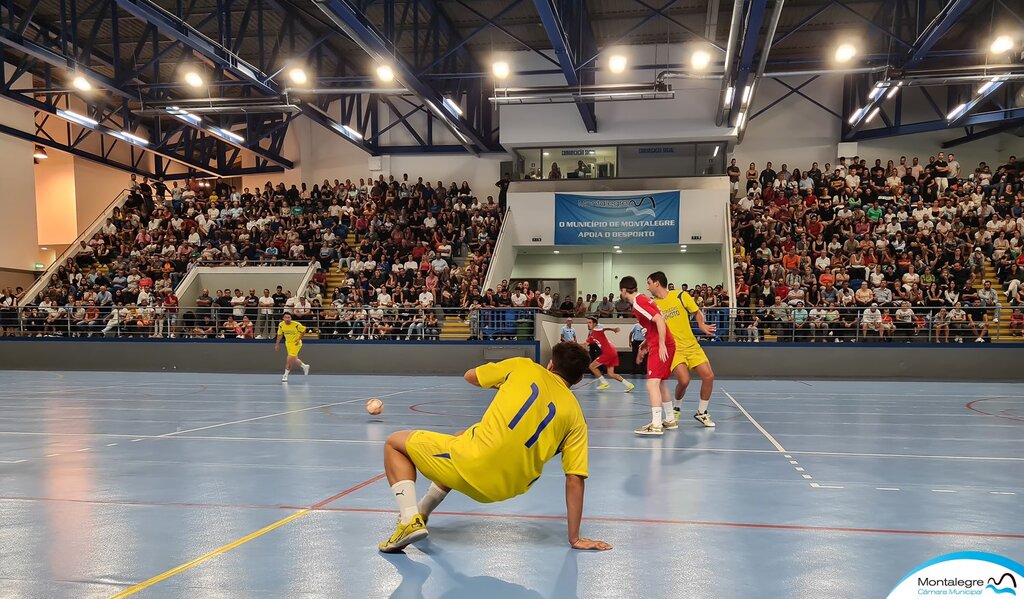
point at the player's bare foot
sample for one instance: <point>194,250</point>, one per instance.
<point>590,545</point>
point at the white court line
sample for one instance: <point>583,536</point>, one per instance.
<point>328,405</point>
<point>82,449</point>
<point>767,435</point>
<point>817,486</point>
<point>111,444</point>
<point>886,489</point>
<point>12,461</point>
<point>943,491</point>
<point>1001,493</point>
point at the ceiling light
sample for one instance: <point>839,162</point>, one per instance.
<point>616,247</point>
<point>715,155</point>
<point>682,245</point>
<point>351,132</point>
<point>855,115</point>
<point>40,153</point>
<point>876,91</point>
<point>1001,44</point>
<point>184,115</point>
<point>500,69</point>
<point>453,106</point>
<point>746,94</point>
<point>728,96</point>
<point>700,59</point>
<point>845,52</point>
<point>384,73</point>
<point>81,83</point>
<point>956,112</point>
<point>683,250</point>
<point>894,90</point>
<point>617,63</point>
<point>873,114</point>
<point>44,249</point>
<point>618,251</point>
<point>984,88</point>
<point>555,252</point>
<point>75,117</point>
<point>739,120</point>
<point>194,79</point>
<point>131,138</point>
<point>298,76</point>
<point>547,153</point>
<point>228,134</point>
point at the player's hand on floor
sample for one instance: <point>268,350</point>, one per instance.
<point>590,545</point>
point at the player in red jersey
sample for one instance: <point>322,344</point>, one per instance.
<point>659,347</point>
<point>609,357</point>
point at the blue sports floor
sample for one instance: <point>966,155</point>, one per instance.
<point>186,485</point>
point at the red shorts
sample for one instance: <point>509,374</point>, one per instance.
<point>609,359</point>
<point>656,368</point>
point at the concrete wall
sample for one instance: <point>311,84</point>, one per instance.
<point>17,278</point>
<point>600,272</point>
<point>234,356</point>
<point>231,277</point>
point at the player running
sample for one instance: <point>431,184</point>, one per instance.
<point>659,347</point>
<point>533,417</point>
<point>292,332</point>
<point>609,357</point>
<point>677,307</point>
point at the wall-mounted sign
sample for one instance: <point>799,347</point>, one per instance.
<point>645,218</point>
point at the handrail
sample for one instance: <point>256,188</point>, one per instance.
<point>506,223</point>
<point>72,249</point>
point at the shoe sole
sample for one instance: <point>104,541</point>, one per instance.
<point>629,390</point>
<point>649,433</point>
<point>413,538</point>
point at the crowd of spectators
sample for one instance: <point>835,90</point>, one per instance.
<point>406,246</point>
<point>866,250</point>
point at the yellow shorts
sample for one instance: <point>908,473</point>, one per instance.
<point>293,350</point>
<point>430,453</point>
<point>692,355</point>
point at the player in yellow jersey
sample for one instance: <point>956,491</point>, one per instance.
<point>678,306</point>
<point>292,332</point>
<point>533,417</point>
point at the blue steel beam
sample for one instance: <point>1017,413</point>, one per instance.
<point>939,27</point>
<point>975,135</point>
<point>982,118</point>
<point>351,21</point>
<point>744,65</point>
<point>179,31</point>
<point>568,54</point>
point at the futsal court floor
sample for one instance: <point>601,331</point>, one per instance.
<point>191,485</point>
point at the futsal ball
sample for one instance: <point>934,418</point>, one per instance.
<point>374,406</point>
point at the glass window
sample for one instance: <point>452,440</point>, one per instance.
<point>580,163</point>
<point>528,164</point>
<point>710,159</point>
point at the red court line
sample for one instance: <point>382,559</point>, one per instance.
<point>321,508</point>
<point>970,406</point>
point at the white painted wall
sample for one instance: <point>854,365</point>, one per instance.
<point>18,228</point>
<point>96,186</point>
<point>600,272</point>
<point>797,132</point>
<point>56,215</point>
<point>689,116</point>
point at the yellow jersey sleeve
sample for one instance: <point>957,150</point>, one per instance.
<point>574,451</point>
<point>301,328</point>
<point>280,329</point>
<point>493,374</point>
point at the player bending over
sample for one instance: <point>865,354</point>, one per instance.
<point>609,357</point>
<point>659,347</point>
<point>292,332</point>
<point>676,307</point>
<point>533,416</point>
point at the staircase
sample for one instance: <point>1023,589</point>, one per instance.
<point>999,331</point>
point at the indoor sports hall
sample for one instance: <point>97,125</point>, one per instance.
<point>571,298</point>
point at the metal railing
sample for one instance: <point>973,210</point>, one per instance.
<point>884,324</point>
<point>360,323</point>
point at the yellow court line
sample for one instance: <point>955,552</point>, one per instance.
<point>202,558</point>
<point>236,543</point>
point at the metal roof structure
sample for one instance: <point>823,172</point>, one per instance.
<point>141,116</point>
